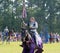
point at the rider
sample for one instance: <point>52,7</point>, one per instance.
<point>33,25</point>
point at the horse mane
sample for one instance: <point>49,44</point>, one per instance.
<point>28,34</point>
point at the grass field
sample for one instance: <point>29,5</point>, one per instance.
<point>14,47</point>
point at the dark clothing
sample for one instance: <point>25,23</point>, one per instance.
<point>33,36</point>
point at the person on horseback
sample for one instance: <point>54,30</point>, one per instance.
<point>33,25</point>
<point>35,40</point>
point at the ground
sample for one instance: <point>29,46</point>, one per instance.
<point>14,47</point>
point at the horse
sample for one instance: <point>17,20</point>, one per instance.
<point>29,45</point>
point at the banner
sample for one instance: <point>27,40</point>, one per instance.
<point>24,13</point>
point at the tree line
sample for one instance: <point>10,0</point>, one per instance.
<point>46,12</point>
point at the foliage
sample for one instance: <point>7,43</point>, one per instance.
<point>46,12</point>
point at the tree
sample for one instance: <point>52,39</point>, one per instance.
<point>46,12</point>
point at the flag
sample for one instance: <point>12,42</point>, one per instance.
<point>24,13</point>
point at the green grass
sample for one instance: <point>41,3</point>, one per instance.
<point>52,48</point>
<point>14,47</point>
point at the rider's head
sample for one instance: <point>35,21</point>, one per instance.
<point>32,19</point>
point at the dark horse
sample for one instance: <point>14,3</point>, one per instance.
<point>29,45</point>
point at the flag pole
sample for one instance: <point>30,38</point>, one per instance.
<point>23,26</point>
<point>23,14</point>
<point>23,11</point>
